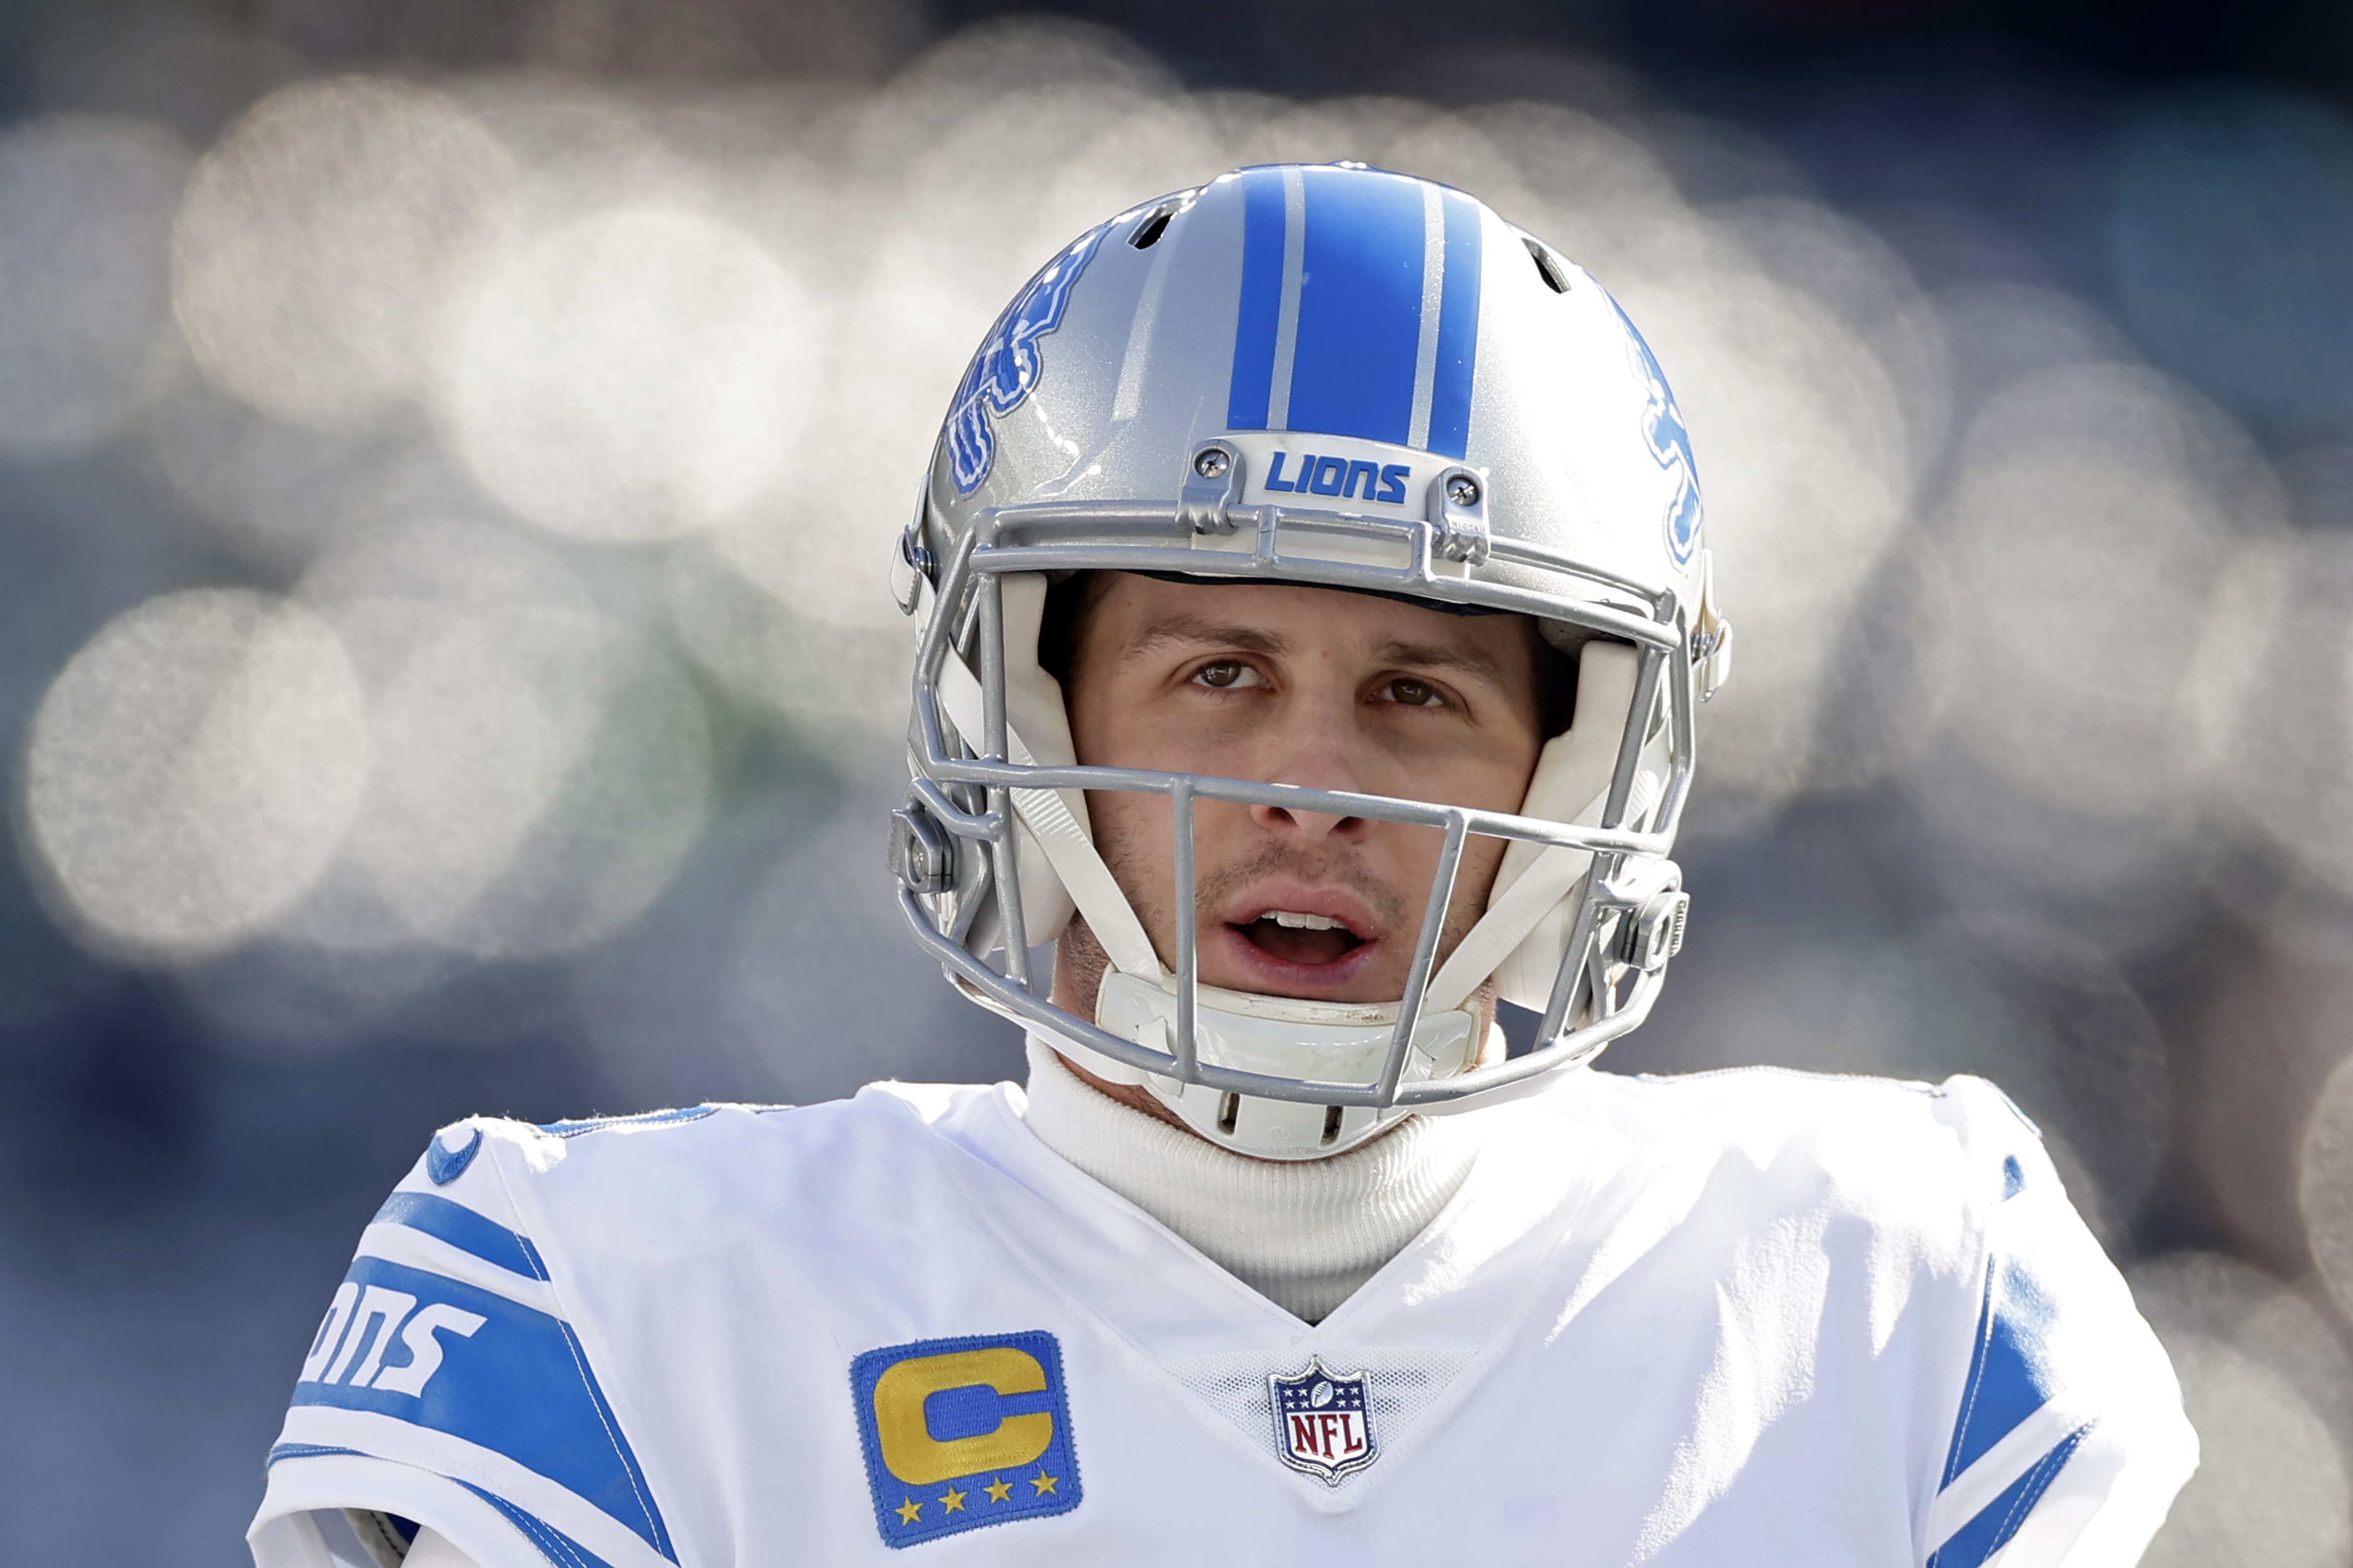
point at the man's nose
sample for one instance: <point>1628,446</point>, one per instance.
<point>1310,825</point>
<point>1317,755</point>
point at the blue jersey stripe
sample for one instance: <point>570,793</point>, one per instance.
<point>493,1373</point>
<point>1253,383</point>
<point>1359,307</point>
<point>311,1451</point>
<point>464,1230</point>
<point>2010,1376</point>
<point>1995,1523</point>
<point>554,1544</point>
<point>642,1118</point>
<point>1458,330</point>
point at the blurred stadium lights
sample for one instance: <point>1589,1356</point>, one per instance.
<point>452,604</point>
<point>2270,1388</point>
<point>194,767</point>
<point>315,246</point>
<point>2091,510</point>
<point>2273,699</point>
<point>2268,1033</point>
<point>2325,1185</point>
<point>637,375</point>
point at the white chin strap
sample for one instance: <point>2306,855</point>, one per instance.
<point>1522,938</point>
<point>1322,1042</point>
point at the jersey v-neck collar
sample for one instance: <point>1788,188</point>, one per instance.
<point>1453,1287</point>
<point>1425,1330</point>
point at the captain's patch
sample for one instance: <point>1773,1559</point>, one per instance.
<point>1323,1422</point>
<point>963,1433</point>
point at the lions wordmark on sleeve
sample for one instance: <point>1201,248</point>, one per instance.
<point>1741,1318</point>
<point>446,1382</point>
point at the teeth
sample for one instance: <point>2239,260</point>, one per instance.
<point>1298,922</point>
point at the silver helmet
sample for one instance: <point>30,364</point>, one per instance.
<point>1334,377</point>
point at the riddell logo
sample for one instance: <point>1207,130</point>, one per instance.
<point>361,1325</point>
<point>1344,477</point>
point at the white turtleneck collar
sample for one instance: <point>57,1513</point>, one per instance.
<point>1304,1233</point>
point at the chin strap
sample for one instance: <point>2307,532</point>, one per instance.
<point>1508,923</point>
<point>1571,784</point>
<point>1061,837</point>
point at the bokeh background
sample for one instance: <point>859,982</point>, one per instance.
<point>448,451</point>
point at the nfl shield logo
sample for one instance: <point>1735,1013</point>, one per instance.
<point>1323,1422</point>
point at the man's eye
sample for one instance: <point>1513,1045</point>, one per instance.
<point>1415,693</point>
<point>1225,673</point>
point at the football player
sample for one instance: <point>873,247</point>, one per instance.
<point>1313,614</point>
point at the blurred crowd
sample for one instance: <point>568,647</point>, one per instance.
<point>448,663</point>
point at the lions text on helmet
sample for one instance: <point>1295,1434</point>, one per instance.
<point>1381,477</point>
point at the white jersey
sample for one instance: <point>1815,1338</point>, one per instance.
<point>1751,1317</point>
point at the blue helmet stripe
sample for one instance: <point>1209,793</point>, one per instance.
<point>1359,307</point>
<point>1261,300</point>
<point>1458,330</point>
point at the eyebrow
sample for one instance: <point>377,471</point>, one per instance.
<point>1194,630</point>
<point>1473,661</point>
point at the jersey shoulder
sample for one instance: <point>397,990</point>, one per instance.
<point>1934,1148</point>
<point>448,1382</point>
<point>2056,1418</point>
<point>462,1376</point>
<point>582,1185</point>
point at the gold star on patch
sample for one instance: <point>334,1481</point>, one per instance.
<point>910,1510</point>
<point>1043,1482</point>
<point>999,1490</point>
<point>954,1502</point>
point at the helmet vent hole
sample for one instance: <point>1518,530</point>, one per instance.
<point>1547,266</point>
<point>1147,233</point>
<point>1229,1107</point>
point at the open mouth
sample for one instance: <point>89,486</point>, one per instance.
<point>1300,939</point>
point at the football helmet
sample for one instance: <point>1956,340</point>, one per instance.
<point>1335,376</point>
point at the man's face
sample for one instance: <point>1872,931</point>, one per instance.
<point>1302,686</point>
